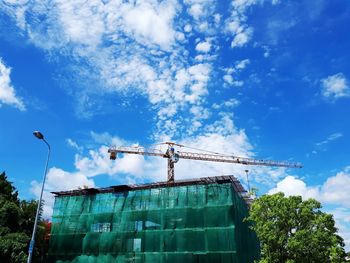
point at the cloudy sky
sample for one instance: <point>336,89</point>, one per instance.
<point>262,79</point>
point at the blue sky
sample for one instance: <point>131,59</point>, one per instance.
<point>262,79</point>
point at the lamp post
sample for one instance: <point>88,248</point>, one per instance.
<point>40,136</point>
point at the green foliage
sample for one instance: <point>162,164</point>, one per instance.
<point>9,214</point>
<point>13,247</point>
<point>16,225</point>
<point>7,190</point>
<point>292,230</point>
<point>28,211</point>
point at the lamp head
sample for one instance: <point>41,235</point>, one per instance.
<point>38,134</point>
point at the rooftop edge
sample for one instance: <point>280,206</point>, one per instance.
<point>237,186</point>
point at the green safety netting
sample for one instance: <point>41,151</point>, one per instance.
<point>193,223</point>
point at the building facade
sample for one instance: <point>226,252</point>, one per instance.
<point>198,220</point>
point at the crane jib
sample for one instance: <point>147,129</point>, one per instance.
<point>173,157</point>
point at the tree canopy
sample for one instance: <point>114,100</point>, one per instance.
<point>16,225</point>
<point>292,230</point>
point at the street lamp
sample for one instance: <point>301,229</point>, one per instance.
<point>40,136</point>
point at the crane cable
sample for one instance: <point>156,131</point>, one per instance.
<point>193,148</point>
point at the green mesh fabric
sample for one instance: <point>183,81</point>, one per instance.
<point>195,223</point>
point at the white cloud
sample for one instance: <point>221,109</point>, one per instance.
<point>238,67</point>
<point>188,28</point>
<point>266,52</point>
<point>335,86</point>
<point>335,191</point>
<point>242,64</point>
<point>239,83</point>
<point>291,185</point>
<point>342,219</point>
<point>73,144</point>
<point>134,48</point>
<point>230,81</point>
<point>330,138</point>
<point>200,112</point>
<point>242,5</point>
<point>203,46</point>
<point>152,23</point>
<point>335,136</point>
<point>7,92</point>
<point>82,21</point>
<point>322,145</point>
<point>231,103</point>
<point>343,214</point>
<point>196,10</point>
<point>58,180</point>
<point>90,22</point>
<point>242,37</point>
<point>237,26</point>
<point>200,9</point>
<point>106,139</point>
<point>97,162</point>
<point>217,18</point>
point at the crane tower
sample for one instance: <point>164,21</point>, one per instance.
<point>173,157</point>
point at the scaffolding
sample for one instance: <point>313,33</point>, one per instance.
<point>199,220</point>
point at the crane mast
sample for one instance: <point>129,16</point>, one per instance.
<point>174,156</point>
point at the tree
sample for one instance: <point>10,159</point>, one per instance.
<point>7,190</point>
<point>292,230</point>
<point>16,225</point>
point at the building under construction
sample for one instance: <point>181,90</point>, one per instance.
<point>199,220</point>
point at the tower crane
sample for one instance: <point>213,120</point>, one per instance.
<point>174,156</point>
